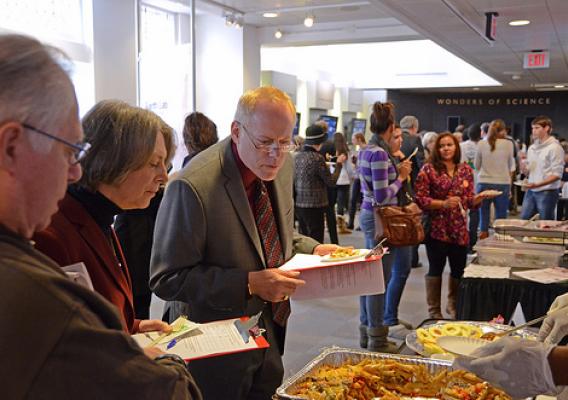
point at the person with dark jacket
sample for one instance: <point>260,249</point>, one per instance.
<point>199,132</point>
<point>311,180</point>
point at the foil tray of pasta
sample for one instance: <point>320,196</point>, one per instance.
<point>423,340</point>
<point>345,374</point>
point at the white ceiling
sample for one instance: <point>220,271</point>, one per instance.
<point>344,21</point>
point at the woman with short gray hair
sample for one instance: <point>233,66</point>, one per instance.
<point>123,170</point>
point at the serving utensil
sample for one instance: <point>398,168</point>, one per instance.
<point>377,250</point>
<point>492,335</point>
<point>413,153</point>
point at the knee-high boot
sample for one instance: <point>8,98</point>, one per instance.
<point>453,286</point>
<point>433,294</point>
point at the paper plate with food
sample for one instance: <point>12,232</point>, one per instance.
<point>424,341</point>
<point>491,193</point>
<point>344,254</point>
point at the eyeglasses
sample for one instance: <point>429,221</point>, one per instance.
<point>80,150</point>
<point>268,147</point>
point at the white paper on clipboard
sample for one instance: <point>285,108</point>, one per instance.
<point>355,277</point>
<point>78,273</point>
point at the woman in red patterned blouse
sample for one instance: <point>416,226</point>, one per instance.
<point>444,189</point>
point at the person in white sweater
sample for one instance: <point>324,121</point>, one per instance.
<point>494,162</point>
<point>544,165</point>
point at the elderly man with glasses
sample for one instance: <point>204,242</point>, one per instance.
<point>60,340</point>
<point>224,226</point>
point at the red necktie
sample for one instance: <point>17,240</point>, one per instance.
<point>273,254</point>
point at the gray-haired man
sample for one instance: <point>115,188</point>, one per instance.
<point>60,340</point>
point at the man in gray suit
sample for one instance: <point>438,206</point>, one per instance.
<point>208,254</point>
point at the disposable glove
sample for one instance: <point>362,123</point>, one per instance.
<point>555,326</point>
<point>520,367</point>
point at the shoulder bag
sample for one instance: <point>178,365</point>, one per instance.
<point>401,225</point>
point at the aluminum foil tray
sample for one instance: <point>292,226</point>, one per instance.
<point>337,356</point>
<point>414,344</point>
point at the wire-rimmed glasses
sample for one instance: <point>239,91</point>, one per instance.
<point>268,147</point>
<point>80,150</point>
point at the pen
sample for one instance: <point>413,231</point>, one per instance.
<point>171,344</point>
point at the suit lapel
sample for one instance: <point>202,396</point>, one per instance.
<point>236,192</point>
<point>100,246</point>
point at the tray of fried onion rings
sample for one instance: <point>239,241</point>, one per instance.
<point>339,373</point>
<point>423,339</point>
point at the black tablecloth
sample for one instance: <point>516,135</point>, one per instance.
<point>482,299</point>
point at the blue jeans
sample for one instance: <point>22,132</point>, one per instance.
<point>501,203</point>
<point>372,307</point>
<point>543,202</point>
<point>399,274</point>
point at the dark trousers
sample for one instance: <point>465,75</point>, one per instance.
<point>342,198</point>
<point>562,209</point>
<point>330,215</point>
<point>311,222</point>
<point>355,198</point>
<point>438,252</point>
<point>473,224</point>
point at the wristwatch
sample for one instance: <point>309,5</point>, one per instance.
<point>171,357</point>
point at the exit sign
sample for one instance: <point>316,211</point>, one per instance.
<point>536,59</point>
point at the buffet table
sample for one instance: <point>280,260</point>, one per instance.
<point>481,299</point>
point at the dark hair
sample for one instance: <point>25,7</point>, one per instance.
<point>497,125</point>
<point>382,117</point>
<point>436,158</point>
<point>199,132</point>
<point>543,121</point>
<point>340,144</point>
<point>474,132</point>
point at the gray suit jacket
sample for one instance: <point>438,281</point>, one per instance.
<point>206,241</point>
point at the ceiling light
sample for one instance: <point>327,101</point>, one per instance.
<point>476,89</point>
<point>309,21</point>
<point>229,19</point>
<point>559,86</point>
<point>238,23</point>
<point>519,22</point>
<point>278,34</point>
<point>270,14</point>
<point>515,77</point>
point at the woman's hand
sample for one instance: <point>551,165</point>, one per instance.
<point>341,158</point>
<point>451,202</point>
<point>151,325</point>
<point>404,169</point>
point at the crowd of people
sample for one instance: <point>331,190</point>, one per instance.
<point>92,192</point>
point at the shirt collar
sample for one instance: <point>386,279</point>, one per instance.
<point>248,177</point>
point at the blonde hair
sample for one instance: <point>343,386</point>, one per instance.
<point>250,100</point>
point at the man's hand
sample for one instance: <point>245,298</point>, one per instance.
<point>520,367</point>
<point>151,325</point>
<point>323,249</point>
<point>152,352</point>
<point>273,284</point>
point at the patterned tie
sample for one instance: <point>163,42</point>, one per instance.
<point>268,232</point>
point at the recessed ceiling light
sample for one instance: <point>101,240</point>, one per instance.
<point>270,15</point>
<point>476,89</point>
<point>278,34</point>
<point>519,22</point>
<point>559,86</point>
<point>309,21</point>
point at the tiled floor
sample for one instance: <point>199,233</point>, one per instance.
<point>316,324</point>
